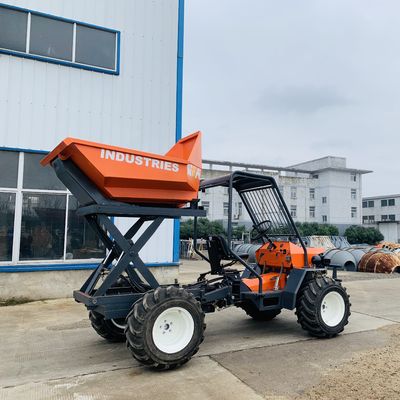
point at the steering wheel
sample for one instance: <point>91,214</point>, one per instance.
<point>261,231</point>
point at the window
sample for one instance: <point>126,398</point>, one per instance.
<point>51,38</point>
<point>13,26</point>
<point>46,219</point>
<point>312,212</point>
<point>391,202</point>
<point>206,206</point>
<point>312,193</point>
<point>371,219</point>
<point>226,209</point>
<point>353,177</point>
<point>42,226</point>
<point>82,242</point>
<point>315,176</point>
<point>58,40</point>
<point>353,212</point>
<point>365,219</point>
<point>38,177</point>
<point>324,218</point>
<point>239,206</point>
<point>95,47</point>
<point>8,169</point>
<point>384,217</point>
<point>7,209</point>
<point>365,204</point>
<point>293,192</point>
<point>293,211</point>
<point>392,217</point>
<point>354,194</point>
<point>384,203</point>
<point>324,200</point>
<point>371,204</point>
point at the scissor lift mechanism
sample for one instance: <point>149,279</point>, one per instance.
<point>123,251</point>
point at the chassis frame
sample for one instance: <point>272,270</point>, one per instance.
<point>102,291</point>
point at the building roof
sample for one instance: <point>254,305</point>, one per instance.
<point>293,168</point>
<point>387,196</point>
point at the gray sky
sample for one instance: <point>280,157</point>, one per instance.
<point>280,82</point>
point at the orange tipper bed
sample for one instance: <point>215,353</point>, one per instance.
<point>135,176</point>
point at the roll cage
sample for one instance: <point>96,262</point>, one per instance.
<point>264,203</point>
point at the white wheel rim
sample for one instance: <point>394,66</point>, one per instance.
<point>120,326</point>
<point>173,330</point>
<point>332,308</point>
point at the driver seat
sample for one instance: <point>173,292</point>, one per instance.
<point>218,251</point>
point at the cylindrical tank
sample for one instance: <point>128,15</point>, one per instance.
<point>383,261</point>
<point>341,258</point>
<point>248,248</point>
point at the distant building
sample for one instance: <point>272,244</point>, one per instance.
<point>322,190</point>
<point>383,213</point>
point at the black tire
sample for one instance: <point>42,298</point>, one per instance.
<point>312,304</point>
<point>253,312</point>
<point>142,333</point>
<point>109,329</point>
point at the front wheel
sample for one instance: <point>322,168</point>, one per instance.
<point>110,329</point>
<point>323,307</point>
<point>165,328</point>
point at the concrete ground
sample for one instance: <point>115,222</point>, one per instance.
<point>49,351</point>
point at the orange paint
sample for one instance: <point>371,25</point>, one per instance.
<point>286,254</point>
<point>135,176</point>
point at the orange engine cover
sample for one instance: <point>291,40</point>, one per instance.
<point>286,254</point>
<point>135,176</point>
<point>268,282</point>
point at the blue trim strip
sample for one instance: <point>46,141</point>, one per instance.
<point>66,267</point>
<point>24,150</point>
<point>179,99</point>
<point>64,62</point>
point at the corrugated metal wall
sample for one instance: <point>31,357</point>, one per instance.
<point>42,103</point>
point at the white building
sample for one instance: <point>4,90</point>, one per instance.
<point>383,213</point>
<point>99,70</point>
<point>322,190</point>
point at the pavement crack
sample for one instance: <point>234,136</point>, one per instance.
<point>71,376</point>
<point>237,377</point>
<point>375,316</point>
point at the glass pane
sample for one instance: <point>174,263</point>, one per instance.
<point>95,47</point>
<point>82,241</point>
<point>43,226</point>
<point>38,177</point>
<point>8,169</point>
<point>51,38</point>
<point>13,25</point>
<point>7,208</point>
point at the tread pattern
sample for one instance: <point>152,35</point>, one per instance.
<point>253,312</point>
<point>307,308</point>
<point>137,328</point>
<point>105,328</point>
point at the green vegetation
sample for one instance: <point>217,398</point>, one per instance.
<point>205,228</point>
<point>360,234</point>
<point>313,228</point>
<point>14,301</point>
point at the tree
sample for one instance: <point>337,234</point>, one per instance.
<point>313,228</point>
<point>237,232</point>
<point>360,234</point>
<point>205,228</point>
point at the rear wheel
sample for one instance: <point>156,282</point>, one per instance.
<point>323,307</point>
<point>112,330</point>
<point>253,312</point>
<point>165,328</point>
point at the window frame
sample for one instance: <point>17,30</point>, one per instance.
<point>32,265</point>
<point>57,61</point>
